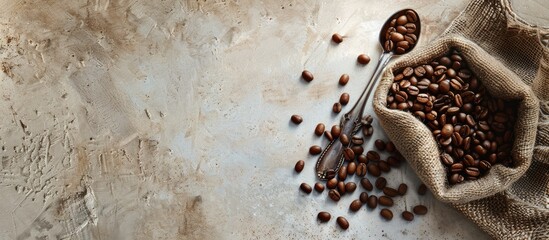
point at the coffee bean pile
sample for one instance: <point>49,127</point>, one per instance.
<point>473,129</point>
<point>402,33</point>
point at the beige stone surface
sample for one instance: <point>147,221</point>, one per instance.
<point>170,119</point>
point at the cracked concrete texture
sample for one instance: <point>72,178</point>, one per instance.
<point>169,119</point>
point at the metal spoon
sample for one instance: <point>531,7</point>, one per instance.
<point>331,159</point>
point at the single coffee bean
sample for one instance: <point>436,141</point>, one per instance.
<point>332,183</point>
<point>299,165</point>
<point>385,201</point>
<point>368,131</point>
<point>420,210</point>
<point>413,90</point>
<point>363,59</point>
<point>409,71</point>
<point>410,28</point>
<point>343,223</point>
<point>351,168</point>
<point>361,169</point>
<point>324,216</point>
<point>306,188</point>
<point>456,178</point>
<point>296,119</point>
<point>390,147</point>
<point>344,139</point>
<point>337,38</point>
<point>319,187</point>
<point>362,159</point>
<point>342,173</point>
<point>337,107</point>
<point>401,29</point>
<point>307,76</point>
<point>344,79</point>
<point>411,16</point>
<point>393,161</point>
<point>372,201</point>
<point>419,71</point>
<point>357,140</point>
<point>358,150</point>
<point>374,170</point>
<point>391,192</point>
<point>401,20</point>
<point>372,156</point>
<point>386,213</point>
<point>384,166</point>
<point>446,159</point>
<point>319,129</point>
<point>341,187</point>
<point>396,37</point>
<point>355,205</point>
<point>348,154</point>
<point>336,131</point>
<point>402,189</point>
<point>379,144</point>
<point>350,187</point>
<point>422,98</point>
<point>366,184</point>
<point>334,195</point>
<point>408,216</point>
<point>344,99</point>
<point>363,197</point>
<point>447,130</point>
<point>388,46</point>
<point>315,150</point>
<point>422,190</point>
<point>381,182</point>
<point>330,173</point>
<point>484,165</point>
<point>472,171</point>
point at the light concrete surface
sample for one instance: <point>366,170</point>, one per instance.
<point>138,119</point>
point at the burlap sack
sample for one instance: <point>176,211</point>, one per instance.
<point>510,58</point>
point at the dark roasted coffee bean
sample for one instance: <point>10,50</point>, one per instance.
<point>324,216</point>
<point>319,129</point>
<point>391,192</point>
<point>330,173</point>
<point>357,149</point>
<point>355,205</point>
<point>384,166</point>
<point>420,210</point>
<point>361,169</point>
<point>409,71</point>
<point>342,222</point>
<point>402,189</point>
<point>374,170</point>
<point>390,147</point>
<point>348,154</point>
<point>344,79</point>
<point>447,130</point>
<point>372,155</point>
<point>422,189</point>
<point>357,140</point>
<point>393,161</point>
<point>408,216</point>
<point>319,187</point>
<point>328,135</point>
<point>388,46</point>
<point>367,131</point>
<point>351,168</point>
<point>363,59</point>
<point>336,131</point>
<point>344,99</point>
<point>372,201</point>
<point>386,213</point>
<point>410,28</point>
<point>362,159</point>
<point>446,159</point>
<point>306,188</point>
<point>456,178</point>
<point>342,173</point>
<point>381,182</point>
<point>411,16</point>
<point>413,90</point>
<point>337,107</point>
<point>363,197</point>
<point>484,165</point>
<point>299,165</point>
<point>366,184</point>
<point>307,76</point>
<point>422,98</point>
<point>350,187</point>
<point>332,183</point>
<point>296,119</point>
<point>341,187</point>
<point>385,201</point>
<point>344,139</point>
<point>472,171</point>
<point>337,38</point>
<point>315,150</point>
<point>380,144</point>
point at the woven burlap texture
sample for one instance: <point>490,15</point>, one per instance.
<point>509,57</point>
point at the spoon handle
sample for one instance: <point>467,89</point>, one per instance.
<point>331,158</point>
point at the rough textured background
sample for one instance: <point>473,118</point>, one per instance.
<point>169,119</point>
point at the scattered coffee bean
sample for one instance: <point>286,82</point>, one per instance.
<point>350,187</point>
<point>351,168</point>
<point>342,222</point>
<point>381,182</point>
<point>315,150</point>
<point>373,169</point>
<point>357,140</point>
<point>324,216</point>
<point>337,107</point>
<point>391,192</point>
<point>348,154</point>
<point>372,201</point>
<point>336,131</point>
<point>384,166</point>
<point>357,149</point>
<point>390,147</point>
<point>363,59</point>
<point>385,201</point>
<point>393,161</point>
<point>319,129</point>
<point>296,119</point>
<point>402,189</point>
<point>328,135</point>
<point>344,98</point>
<point>362,159</point>
<point>307,76</point>
<point>344,79</point>
<point>306,188</point>
<point>386,213</point>
<point>420,210</point>
<point>334,195</point>
<point>366,184</point>
<point>380,144</point>
<point>319,187</point>
<point>361,169</point>
<point>341,187</point>
<point>408,216</point>
<point>355,205</point>
<point>344,139</point>
<point>299,165</point>
<point>332,183</point>
<point>422,190</point>
<point>372,156</point>
<point>337,38</point>
<point>363,197</point>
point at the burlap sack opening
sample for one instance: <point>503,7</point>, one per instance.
<point>418,146</point>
